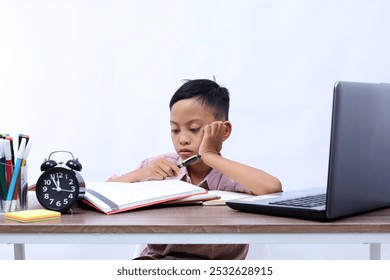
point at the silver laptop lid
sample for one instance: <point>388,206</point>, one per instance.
<point>359,161</point>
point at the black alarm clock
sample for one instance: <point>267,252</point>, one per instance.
<point>59,186</point>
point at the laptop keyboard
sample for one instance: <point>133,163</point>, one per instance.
<point>305,201</point>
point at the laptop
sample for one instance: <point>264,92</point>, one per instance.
<point>359,161</point>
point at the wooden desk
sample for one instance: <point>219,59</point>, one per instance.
<point>195,225</point>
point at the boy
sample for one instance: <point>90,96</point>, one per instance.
<point>199,112</point>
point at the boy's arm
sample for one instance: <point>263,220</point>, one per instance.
<point>159,169</point>
<point>258,181</point>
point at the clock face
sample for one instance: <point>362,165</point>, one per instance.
<point>57,189</point>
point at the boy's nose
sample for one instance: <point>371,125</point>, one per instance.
<point>184,139</point>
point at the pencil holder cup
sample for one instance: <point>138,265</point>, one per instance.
<point>18,199</point>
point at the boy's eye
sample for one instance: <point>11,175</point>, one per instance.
<point>174,131</point>
<point>194,129</point>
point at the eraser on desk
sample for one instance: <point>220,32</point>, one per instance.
<point>34,215</point>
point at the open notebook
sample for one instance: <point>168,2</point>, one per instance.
<point>115,197</point>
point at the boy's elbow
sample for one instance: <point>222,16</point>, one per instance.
<point>272,186</point>
<point>276,185</point>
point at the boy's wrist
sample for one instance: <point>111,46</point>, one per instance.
<point>209,156</point>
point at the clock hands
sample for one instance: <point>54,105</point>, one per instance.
<point>66,190</point>
<point>57,184</point>
<point>62,190</point>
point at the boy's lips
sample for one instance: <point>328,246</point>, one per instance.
<point>185,153</point>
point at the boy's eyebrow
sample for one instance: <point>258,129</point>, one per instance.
<point>189,122</point>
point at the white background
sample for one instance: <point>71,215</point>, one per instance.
<point>95,78</point>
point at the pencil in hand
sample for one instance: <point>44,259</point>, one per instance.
<point>189,161</point>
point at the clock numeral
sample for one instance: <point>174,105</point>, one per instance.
<point>47,182</point>
<point>58,203</point>
<point>70,181</point>
<point>47,196</point>
<point>44,189</point>
<point>70,196</point>
<point>65,201</point>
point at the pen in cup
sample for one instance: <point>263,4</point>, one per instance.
<point>189,161</point>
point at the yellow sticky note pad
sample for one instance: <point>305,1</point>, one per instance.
<point>33,215</point>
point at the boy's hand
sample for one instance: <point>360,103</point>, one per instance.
<point>159,169</point>
<point>213,136</point>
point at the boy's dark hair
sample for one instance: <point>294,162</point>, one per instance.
<point>208,92</point>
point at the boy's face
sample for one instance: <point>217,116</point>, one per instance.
<point>188,117</point>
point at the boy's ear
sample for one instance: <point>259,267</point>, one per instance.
<point>228,130</point>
